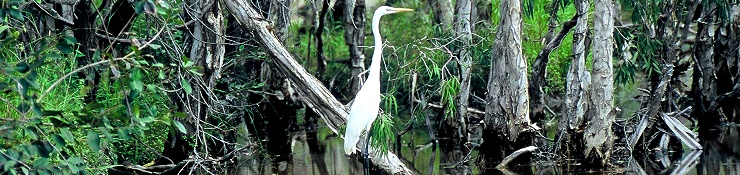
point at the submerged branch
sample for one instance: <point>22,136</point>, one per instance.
<point>504,163</point>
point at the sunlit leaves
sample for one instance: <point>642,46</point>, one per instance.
<point>67,135</point>
<point>16,13</point>
<point>382,133</point>
<point>179,126</point>
<point>186,86</point>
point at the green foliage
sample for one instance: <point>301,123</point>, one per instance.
<point>535,27</point>
<point>382,135</point>
<point>450,90</point>
<point>47,129</point>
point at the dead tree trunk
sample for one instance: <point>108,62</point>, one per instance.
<point>507,108</point>
<point>314,94</point>
<point>598,136</point>
<point>354,37</point>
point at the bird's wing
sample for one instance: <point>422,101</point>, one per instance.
<point>361,115</point>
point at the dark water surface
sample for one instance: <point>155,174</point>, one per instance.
<point>324,155</point>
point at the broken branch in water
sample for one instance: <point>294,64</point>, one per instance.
<point>514,155</point>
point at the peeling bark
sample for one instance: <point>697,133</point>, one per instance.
<point>507,108</point>
<point>578,82</point>
<point>599,137</point>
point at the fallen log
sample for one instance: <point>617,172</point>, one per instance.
<point>311,90</point>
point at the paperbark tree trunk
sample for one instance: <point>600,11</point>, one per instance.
<point>354,37</point>
<point>577,88</point>
<point>507,108</point>
<point>599,137</point>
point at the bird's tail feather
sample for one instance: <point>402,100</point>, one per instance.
<point>351,136</point>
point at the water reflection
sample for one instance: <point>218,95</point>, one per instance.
<point>321,153</point>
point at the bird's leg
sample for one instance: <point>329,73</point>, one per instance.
<point>366,153</point>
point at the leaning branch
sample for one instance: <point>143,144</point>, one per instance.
<point>539,66</point>
<point>313,93</point>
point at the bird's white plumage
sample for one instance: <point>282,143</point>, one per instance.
<point>365,109</point>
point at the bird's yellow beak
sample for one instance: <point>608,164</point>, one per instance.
<point>403,10</point>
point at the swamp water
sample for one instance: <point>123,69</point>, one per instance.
<point>325,156</point>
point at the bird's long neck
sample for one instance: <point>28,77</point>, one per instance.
<point>377,52</point>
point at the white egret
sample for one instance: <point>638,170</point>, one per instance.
<point>364,110</point>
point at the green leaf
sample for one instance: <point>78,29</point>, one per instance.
<point>155,46</point>
<point>9,165</point>
<point>25,170</point>
<point>188,64</point>
<point>58,141</point>
<point>67,135</point>
<point>23,107</point>
<point>93,139</point>
<point>3,27</point>
<point>105,132</point>
<point>31,77</point>
<point>58,121</point>
<point>74,168</point>
<point>186,86</point>
<point>132,95</point>
<point>123,134</point>
<point>30,132</point>
<point>161,74</point>
<point>2,16</point>
<point>137,85</point>
<point>151,87</point>
<point>37,109</point>
<point>70,40</point>
<point>15,13</point>
<point>44,148</point>
<point>22,67</point>
<point>179,126</point>
<point>55,170</point>
<point>146,119</point>
<point>65,48</point>
<point>40,162</point>
<point>139,7</point>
